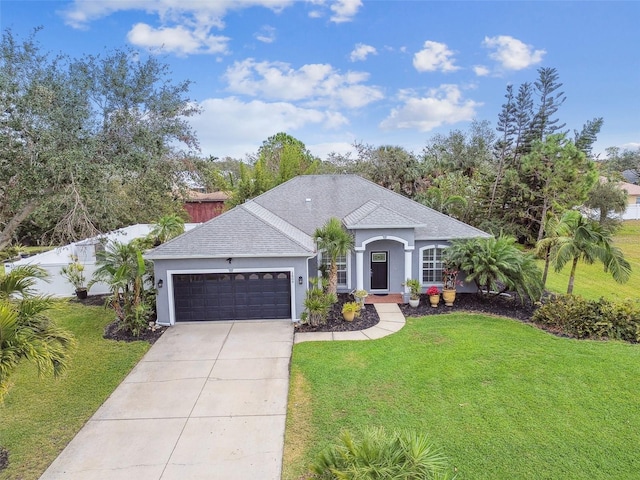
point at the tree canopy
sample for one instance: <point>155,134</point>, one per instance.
<point>87,144</point>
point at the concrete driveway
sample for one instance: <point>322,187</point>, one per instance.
<point>207,401</point>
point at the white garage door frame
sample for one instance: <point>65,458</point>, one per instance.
<point>171,273</point>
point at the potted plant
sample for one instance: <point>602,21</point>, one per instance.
<point>414,291</point>
<point>74,273</point>
<point>449,280</point>
<point>360,295</point>
<point>350,310</point>
<point>434,296</point>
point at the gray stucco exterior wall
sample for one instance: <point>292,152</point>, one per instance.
<point>165,268</point>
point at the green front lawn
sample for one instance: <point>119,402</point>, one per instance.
<point>41,415</point>
<point>503,399</point>
<point>592,281</point>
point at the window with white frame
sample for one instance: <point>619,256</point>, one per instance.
<point>431,256</point>
<point>342,268</point>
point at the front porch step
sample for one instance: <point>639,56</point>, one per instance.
<point>390,298</point>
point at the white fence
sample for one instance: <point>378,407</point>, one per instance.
<point>632,212</point>
<point>53,260</point>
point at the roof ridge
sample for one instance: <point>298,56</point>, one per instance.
<point>258,211</point>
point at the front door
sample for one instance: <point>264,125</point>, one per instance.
<point>379,271</point>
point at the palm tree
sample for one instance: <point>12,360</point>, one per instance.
<point>168,227</point>
<point>582,239</point>
<point>546,245</point>
<point>122,267</point>
<point>26,333</point>
<point>496,265</point>
<point>334,242</point>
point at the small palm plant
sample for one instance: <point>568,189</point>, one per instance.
<point>122,267</point>
<point>167,227</point>
<point>381,454</point>
<point>74,273</point>
<point>26,332</point>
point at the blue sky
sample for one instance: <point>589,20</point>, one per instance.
<point>332,73</point>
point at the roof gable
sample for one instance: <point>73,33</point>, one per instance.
<point>236,233</point>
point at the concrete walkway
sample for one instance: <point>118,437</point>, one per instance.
<point>207,401</point>
<point>391,320</point>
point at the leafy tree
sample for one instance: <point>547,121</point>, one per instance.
<point>26,332</point>
<point>280,158</point>
<point>504,144</point>
<point>88,144</point>
<point>285,157</point>
<point>558,176</point>
<point>333,241</point>
<point>618,161</point>
<point>585,138</point>
<point>449,195</point>
<point>606,197</point>
<point>496,265</point>
<point>550,100</point>
<point>581,239</point>
<point>468,153</point>
<point>128,275</point>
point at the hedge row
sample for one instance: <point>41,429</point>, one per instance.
<point>595,319</point>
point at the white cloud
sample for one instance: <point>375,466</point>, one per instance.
<point>208,13</point>
<point>345,10</point>
<point>231,127</point>
<point>435,56</point>
<point>481,70</point>
<point>630,146</point>
<point>177,40</point>
<point>184,25</point>
<point>267,34</point>
<point>361,52</point>
<point>322,150</point>
<point>442,105</point>
<point>511,53</point>
<point>316,84</point>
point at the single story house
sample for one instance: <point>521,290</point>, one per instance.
<point>633,201</point>
<point>255,261</point>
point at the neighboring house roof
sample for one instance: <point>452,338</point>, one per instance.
<point>282,221</point>
<point>195,196</point>
<point>630,188</point>
<point>631,176</point>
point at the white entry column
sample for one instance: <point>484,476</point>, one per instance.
<point>408,255</point>
<point>359,268</point>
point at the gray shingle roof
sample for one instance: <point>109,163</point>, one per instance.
<point>309,201</point>
<point>374,215</point>
<point>236,233</point>
<point>281,222</point>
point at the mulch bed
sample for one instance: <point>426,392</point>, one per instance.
<point>336,323</point>
<point>504,306</point>
<point>111,331</point>
<point>151,334</point>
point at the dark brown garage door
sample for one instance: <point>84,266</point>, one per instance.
<point>232,296</point>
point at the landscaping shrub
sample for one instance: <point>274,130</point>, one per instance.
<point>597,319</point>
<point>382,455</point>
<point>317,305</point>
